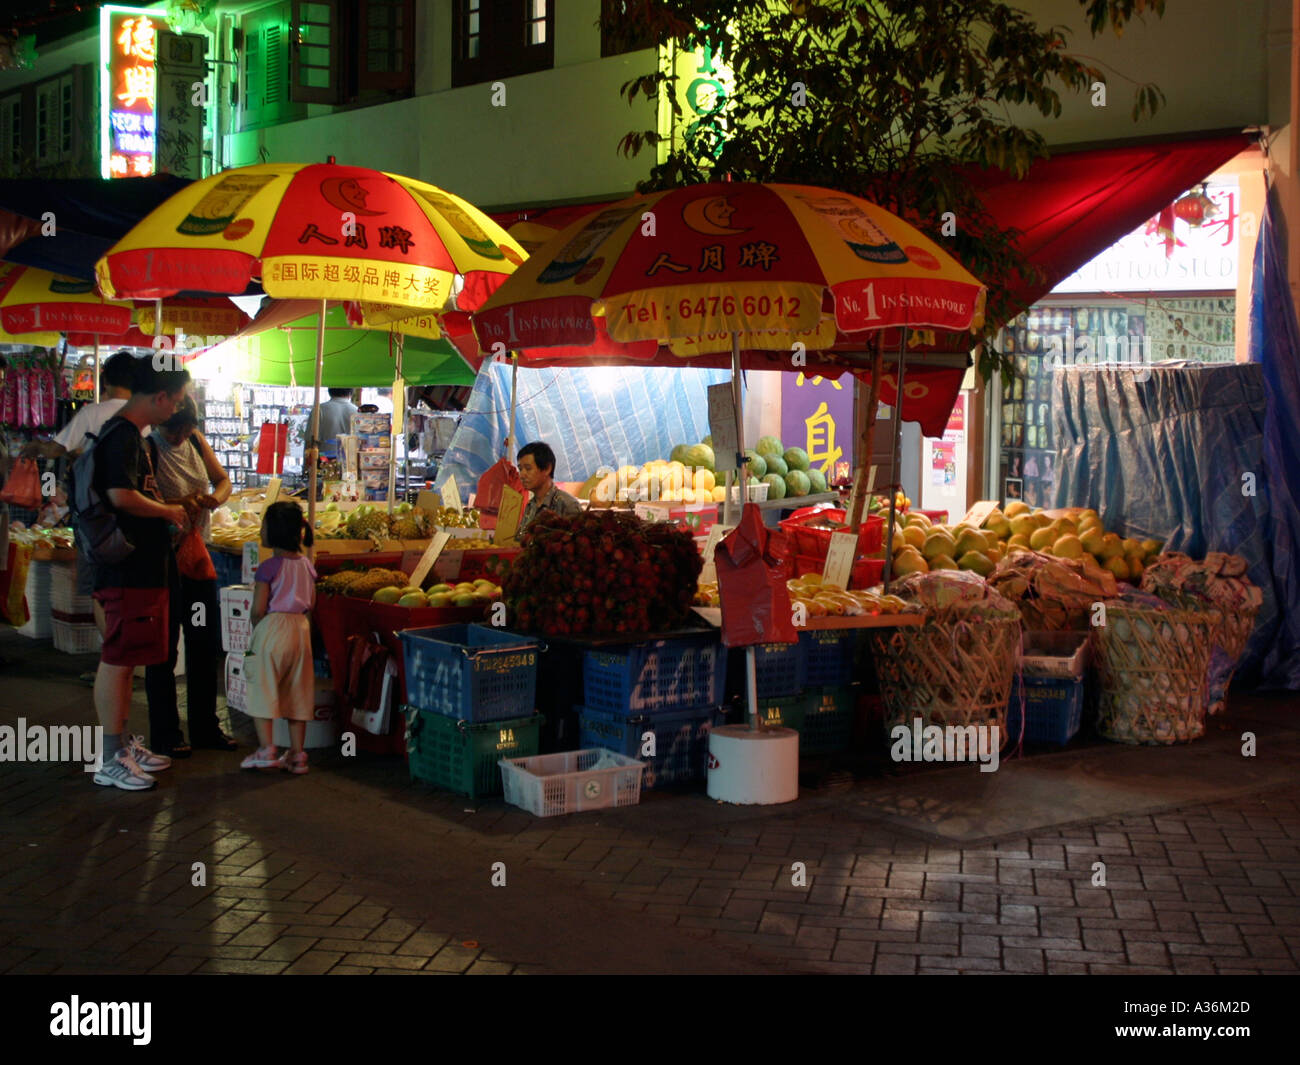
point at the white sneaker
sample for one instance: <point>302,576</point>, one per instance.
<point>263,758</point>
<point>124,772</point>
<point>145,758</point>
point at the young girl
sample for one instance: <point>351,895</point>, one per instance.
<point>278,667</point>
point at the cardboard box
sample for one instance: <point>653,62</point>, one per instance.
<point>236,617</point>
<point>323,731</point>
<point>372,479</point>
<point>236,689</point>
<point>374,460</point>
<point>374,441</point>
<point>698,517</point>
<point>371,423</point>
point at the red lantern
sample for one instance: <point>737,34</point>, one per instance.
<point>1196,208</point>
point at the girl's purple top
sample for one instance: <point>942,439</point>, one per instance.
<point>292,582</point>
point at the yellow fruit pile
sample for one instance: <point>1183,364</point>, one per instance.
<point>919,546</point>
<point>467,593</point>
<point>474,543</point>
<point>669,482</point>
<point>821,599</point>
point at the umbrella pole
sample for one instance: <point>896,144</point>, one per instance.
<point>398,397</point>
<point>96,399</point>
<point>313,446</point>
<point>867,444</point>
<point>893,454</point>
<point>514,395</point>
<point>751,665</point>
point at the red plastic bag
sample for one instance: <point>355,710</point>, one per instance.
<point>193,559</point>
<point>490,484</point>
<point>272,442</point>
<point>751,582</point>
<point>23,489</point>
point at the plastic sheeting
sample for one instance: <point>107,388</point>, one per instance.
<point>1177,453</point>
<point>1275,347</point>
<point>596,417</point>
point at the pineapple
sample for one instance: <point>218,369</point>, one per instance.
<point>369,524</point>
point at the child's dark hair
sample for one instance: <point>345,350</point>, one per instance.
<point>284,526</point>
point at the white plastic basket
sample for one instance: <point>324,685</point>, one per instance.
<point>572,781</point>
<point>63,590</point>
<point>757,492</point>
<point>76,639</point>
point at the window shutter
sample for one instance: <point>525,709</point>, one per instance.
<point>385,46</point>
<point>315,52</point>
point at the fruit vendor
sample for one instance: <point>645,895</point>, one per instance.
<point>536,470</point>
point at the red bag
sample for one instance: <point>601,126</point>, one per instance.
<point>272,442</point>
<point>490,484</point>
<point>751,563</point>
<point>193,559</point>
<point>23,489</point>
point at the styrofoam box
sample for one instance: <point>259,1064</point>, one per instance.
<point>323,731</point>
<point>372,423</point>
<point>374,479</point>
<point>236,617</point>
<point>374,441</point>
<point>236,689</point>
<point>1055,654</point>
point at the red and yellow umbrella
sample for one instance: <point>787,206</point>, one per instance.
<point>723,259</point>
<point>314,231</point>
<point>37,301</point>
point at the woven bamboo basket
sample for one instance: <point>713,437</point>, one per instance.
<point>1151,667</point>
<point>953,670</point>
<point>1230,635</point>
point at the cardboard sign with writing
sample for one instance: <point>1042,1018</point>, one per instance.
<point>249,567</point>
<point>722,425</point>
<point>272,491</point>
<point>451,493</point>
<point>510,510</point>
<point>839,559</point>
<point>429,501</point>
<point>429,557</point>
<point>979,512</point>
<point>709,574</point>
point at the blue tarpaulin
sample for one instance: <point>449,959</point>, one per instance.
<point>1275,348</point>
<point>602,416</point>
<point>1177,453</point>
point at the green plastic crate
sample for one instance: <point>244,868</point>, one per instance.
<point>462,757</point>
<point>828,719</point>
<point>783,711</point>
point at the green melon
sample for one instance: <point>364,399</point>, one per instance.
<point>797,483</point>
<point>677,454</point>
<point>797,459</point>
<point>757,464</point>
<point>817,481</point>
<point>699,456</point>
<point>770,445</point>
<point>708,440</point>
<point>776,486</point>
<point>776,464</point>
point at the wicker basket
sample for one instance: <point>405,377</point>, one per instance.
<point>950,671</point>
<point>1151,668</point>
<point>1231,633</point>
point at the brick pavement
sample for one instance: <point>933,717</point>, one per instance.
<point>353,870</point>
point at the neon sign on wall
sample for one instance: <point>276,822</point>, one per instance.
<point>128,44</point>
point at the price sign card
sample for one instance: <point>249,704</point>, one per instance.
<point>429,557</point>
<point>839,559</point>
<point>722,424</point>
<point>451,493</point>
<point>430,501</point>
<point>249,567</point>
<point>510,510</point>
<point>709,573</point>
<point>980,511</point>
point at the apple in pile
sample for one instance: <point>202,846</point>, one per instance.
<point>601,572</point>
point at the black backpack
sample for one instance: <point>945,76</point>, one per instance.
<point>99,537</point>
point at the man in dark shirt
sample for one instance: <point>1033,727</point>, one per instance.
<point>131,596</point>
<point>536,470</point>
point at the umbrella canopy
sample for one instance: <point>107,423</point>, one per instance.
<point>279,348</point>
<point>314,231</point>
<point>36,301</point>
<point>710,261</point>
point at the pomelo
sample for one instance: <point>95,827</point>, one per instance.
<point>776,486</point>
<point>796,458</point>
<point>797,483</point>
<point>1016,508</point>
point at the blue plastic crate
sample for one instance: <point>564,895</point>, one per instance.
<point>681,740</point>
<point>676,674</point>
<point>1053,709</point>
<point>778,669</point>
<point>828,655</point>
<point>827,719</point>
<point>474,673</point>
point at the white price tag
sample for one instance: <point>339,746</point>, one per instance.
<point>249,567</point>
<point>429,557</point>
<point>839,559</point>
<point>977,514</point>
<point>709,573</point>
<point>451,494</point>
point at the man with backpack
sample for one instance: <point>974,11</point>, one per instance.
<point>123,527</point>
